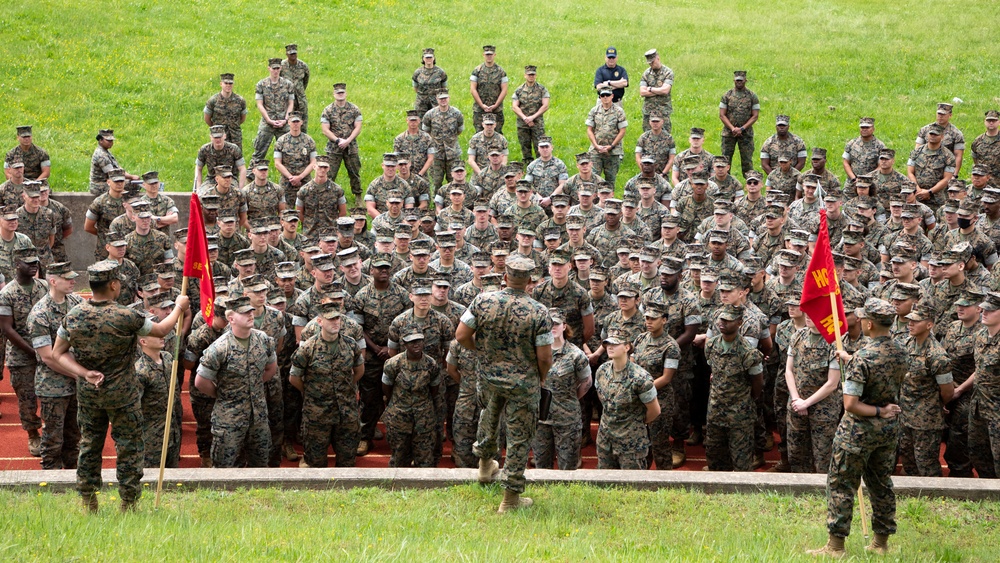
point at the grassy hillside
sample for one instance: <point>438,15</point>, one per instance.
<point>145,68</point>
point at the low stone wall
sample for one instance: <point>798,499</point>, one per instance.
<point>80,245</point>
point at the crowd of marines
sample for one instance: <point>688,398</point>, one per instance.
<point>494,303</point>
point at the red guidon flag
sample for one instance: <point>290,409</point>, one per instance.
<point>196,262</point>
<point>820,283</point>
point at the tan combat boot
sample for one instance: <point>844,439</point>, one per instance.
<point>35,444</point>
<point>677,454</point>
<point>290,453</point>
<point>206,461</point>
<point>89,504</point>
<point>488,470</point>
<point>513,501</point>
<point>879,545</point>
<point>128,506</point>
<point>363,446</point>
<point>834,548</point>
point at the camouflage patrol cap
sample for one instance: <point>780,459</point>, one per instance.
<point>697,133</point>
<point>428,53</point>
<point>217,131</point>
<point>971,297</point>
<point>413,114</point>
<point>575,222</point>
<point>956,185</point>
<point>32,188</point>
<point>489,118</point>
<point>480,205</point>
<point>583,157</point>
<point>443,93</point>
<point>103,271</point>
<point>116,175</point>
<point>524,186</point>
<point>878,311</point>
<point>421,287</point>
<point>151,177</point>
<point>150,283</point>
<point>560,257</point>
<point>510,171</point>
<point>904,291</point>
<point>991,302</point>
<point>520,267</point>
<point>224,171</point>
<point>62,269</point>
<point>492,282</point>
<point>348,256</point>
<point>15,162</point>
<point>505,221</point>
<point>992,115</point>
<point>394,196</point>
<point>276,296</point>
<point>700,177</point>
<point>628,289</point>
<point>381,260</point>
<point>605,91</point>
<point>935,129</point>
<point>295,116</point>
<point>286,270</point>
<point>655,116</point>
<point>551,233</point>
<point>991,195</point>
<point>244,257</point>
<point>722,206</point>
<point>274,62</point>
<point>718,235</point>
<point>321,160</point>
<point>818,153</point>
<point>162,300</point>
<point>446,239</point>
<point>612,206</point>
<point>291,49</point>
<point>180,235</point>
<point>420,247</point>
<point>115,238</point>
<point>24,131</point>
<point>866,122</point>
<point>649,253</point>
<point>963,250</point>
<point>227,77</point>
<point>545,141</point>
<point>774,212</point>
<point>671,265</point>
<point>389,159</point>
<point>980,170</point>
<point>799,237</point>
<point>789,258</point>
<point>783,157</point>
<point>560,200</point>
<point>165,270</point>
<point>782,120</point>
<point>852,264</point>
<point>863,181</point>
<point>345,226</point>
<point>629,201</point>
<point>833,195</point>
<point>339,87</point>
<point>616,337</point>
<point>944,107</point>
<point>329,310</point>
<point>480,259</point>
<point>106,135</point>
<point>968,207</point>
<point>27,255</point>
<point>887,154</point>
<point>811,180</point>
<point>603,187</point>
<point>852,237</point>
<point>240,305</point>
<point>950,206</point>
<point>731,312</point>
<point>647,159</point>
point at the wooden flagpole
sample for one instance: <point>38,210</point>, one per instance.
<point>171,398</point>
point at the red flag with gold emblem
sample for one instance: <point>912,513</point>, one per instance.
<point>196,262</point>
<point>820,282</point>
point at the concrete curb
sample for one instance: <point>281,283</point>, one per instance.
<point>348,478</point>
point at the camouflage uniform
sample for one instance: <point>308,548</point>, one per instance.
<point>984,407</point>
<point>38,226</point>
<point>34,159</point>
<point>154,380</point>
<point>229,246</point>
<point>960,344</point>
<point>420,189</point>
<point>606,124</point>
<point>444,129</point>
<point>559,437</point>
<point>951,138</point>
<point>571,299</point>
<point>480,147</point>
<point>923,411</point>
<point>929,168</point>
<point>146,251</point>
<point>295,152</point>
<point>320,205</point>
<point>866,446</point>
<point>527,217</point>
<point>239,418</point>
<point>103,210</point>
<point>104,337</point>
<point>489,81</point>
<point>607,241</point>
<point>784,182</point>
<point>729,436</point>
<point>410,419</point>
<point>329,403</point>
<point>529,99</point>
<point>622,438</point>
<point>862,156</point>
<point>887,186</point>
<point>986,152</point>
<point>466,416</point>
<point>228,111</point>
<point>379,189</point>
<point>655,355</point>
<point>376,310</point>
<point>275,96</point>
<point>298,75</point>
<point>56,392</point>
<point>159,206</point>
<point>201,404</point>
<point>545,175</point>
<point>792,146</point>
<point>427,82</point>
<point>264,201</point>
<point>417,148</point>
<point>739,106</point>
<point>10,193</point>
<point>16,302</point>
<point>662,187</point>
<point>230,155</point>
<point>342,121</point>
<point>659,103</point>
<point>102,162</point>
<point>810,437</point>
<point>509,327</point>
<point>233,202</point>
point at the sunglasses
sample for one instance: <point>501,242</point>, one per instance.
<point>752,182</point>
<point>605,95</point>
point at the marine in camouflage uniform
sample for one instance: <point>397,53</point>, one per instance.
<point>201,404</point>
<point>444,126</point>
<point>34,158</point>
<point>265,200</point>
<point>103,210</point>
<point>489,80</point>
<point>148,250</point>
<point>297,72</point>
<point>230,155</point>
<point>930,166</point>
<point>986,148</point>
<point>545,175</point>
<point>277,97</point>
<point>56,392</point>
<point>606,123</point>
<point>481,145</point>
<point>737,377</point>
<point>558,437</point>
<point>656,354</point>
<point>959,342</point>
<point>40,226</point>
<point>416,147</point>
<point>571,299</point>
<point>865,446</point>
<point>102,162</point>
<point>320,203</point>
<point>529,99</point>
<point>239,419</point>
<point>103,336</point>
<point>412,387</point>
<point>657,75</point>
<point>511,331</point>
<point>229,111</point>
<point>326,365</point>
<point>810,436</point>
<point>465,419</point>
<point>741,106</point>
<point>862,155</point>
<point>984,408</point>
<point>427,81</point>
<point>622,438</point>
<point>376,307</point>
<point>154,379</point>
<point>297,154</point>
<point>661,147</point>
<point>17,298</point>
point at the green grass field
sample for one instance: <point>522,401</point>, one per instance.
<point>146,67</point>
<point>568,523</point>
